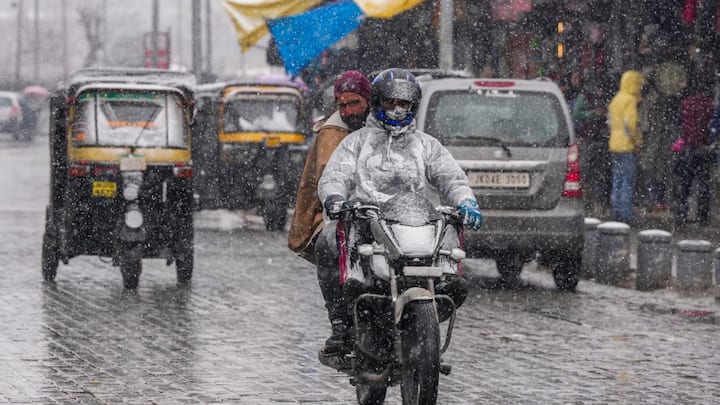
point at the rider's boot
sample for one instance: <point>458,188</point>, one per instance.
<point>340,341</point>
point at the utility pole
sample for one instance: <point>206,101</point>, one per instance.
<point>446,34</point>
<point>64,39</point>
<point>179,40</point>
<point>208,35</point>
<point>104,32</point>
<point>18,55</point>
<point>155,35</point>
<point>196,38</point>
<point>36,42</point>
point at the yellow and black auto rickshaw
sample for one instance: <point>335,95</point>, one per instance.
<point>252,144</point>
<point>121,171</point>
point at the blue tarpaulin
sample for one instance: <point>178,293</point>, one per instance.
<point>303,37</point>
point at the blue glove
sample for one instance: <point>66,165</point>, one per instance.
<point>470,213</point>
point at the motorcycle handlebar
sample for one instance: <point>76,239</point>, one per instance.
<point>369,211</point>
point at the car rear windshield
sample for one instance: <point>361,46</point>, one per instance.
<point>261,114</point>
<point>485,117</point>
<point>5,102</point>
<point>130,118</point>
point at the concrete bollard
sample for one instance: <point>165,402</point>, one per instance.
<point>613,253</point>
<point>654,259</point>
<point>694,264</point>
<point>590,246</point>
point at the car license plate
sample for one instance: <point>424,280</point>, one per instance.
<point>422,271</point>
<point>499,180</point>
<point>132,164</point>
<point>106,189</point>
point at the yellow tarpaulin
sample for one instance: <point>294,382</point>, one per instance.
<point>248,16</point>
<point>385,8</point>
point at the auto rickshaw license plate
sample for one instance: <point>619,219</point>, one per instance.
<point>106,189</point>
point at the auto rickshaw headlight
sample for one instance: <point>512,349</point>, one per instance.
<point>133,217</point>
<point>131,192</point>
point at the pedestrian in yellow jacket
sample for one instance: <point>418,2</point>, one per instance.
<point>624,144</point>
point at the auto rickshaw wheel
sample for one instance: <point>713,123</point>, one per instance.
<point>184,250</point>
<point>184,267</point>
<point>131,266</point>
<point>275,216</point>
<point>50,258</point>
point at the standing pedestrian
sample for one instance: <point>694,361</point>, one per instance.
<point>589,116</point>
<point>624,144</point>
<point>695,154</point>
<point>660,125</point>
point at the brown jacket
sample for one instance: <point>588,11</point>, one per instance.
<point>307,220</point>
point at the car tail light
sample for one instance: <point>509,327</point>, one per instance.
<point>13,111</point>
<point>572,187</point>
<point>79,170</point>
<point>182,171</point>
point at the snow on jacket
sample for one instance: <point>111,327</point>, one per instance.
<point>625,136</point>
<point>697,110</point>
<point>371,166</point>
<point>307,219</point>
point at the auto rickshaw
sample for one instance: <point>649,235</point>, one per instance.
<point>252,142</point>
<point>121,171</point>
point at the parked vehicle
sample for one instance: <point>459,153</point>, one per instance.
<point>399,264</point>
<point>516,141</point>
<point>252,142</point>
<point>10,114</point>
<point>121,171</point>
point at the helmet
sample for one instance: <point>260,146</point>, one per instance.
<point>397,84</point>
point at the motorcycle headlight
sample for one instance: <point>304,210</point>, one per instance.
<point>416,240</point>
<point>133,217</point>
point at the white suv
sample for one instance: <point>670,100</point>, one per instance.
<point>516,142</point>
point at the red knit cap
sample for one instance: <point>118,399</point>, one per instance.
<point>354,82</point>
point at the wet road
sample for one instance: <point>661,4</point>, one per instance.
<point>248,329</point>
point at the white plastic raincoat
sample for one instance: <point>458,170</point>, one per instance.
<point>370,166</point>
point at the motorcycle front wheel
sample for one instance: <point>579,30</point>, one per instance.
<point>421,354</point>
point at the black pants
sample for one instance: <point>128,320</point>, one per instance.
<point>692,164</point>
<point>328,274</point>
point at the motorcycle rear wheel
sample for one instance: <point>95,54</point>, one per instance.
<point>421,355</point>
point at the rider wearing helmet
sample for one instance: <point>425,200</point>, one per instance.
<point>386,157</point>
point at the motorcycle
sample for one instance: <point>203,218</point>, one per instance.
<point>400,270</point>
